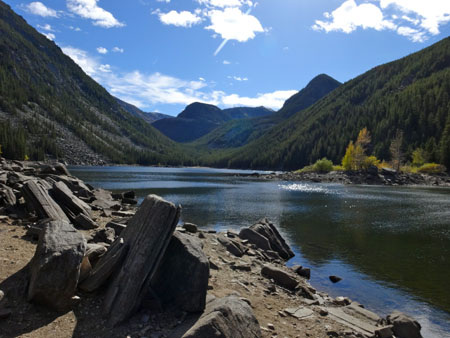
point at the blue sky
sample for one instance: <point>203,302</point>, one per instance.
<point>164,54</point>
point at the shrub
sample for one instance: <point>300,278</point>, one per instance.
<point>432,168</point>
<point>324,165</point>
<point>370,161</point>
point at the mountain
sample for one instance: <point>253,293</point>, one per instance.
<point>50,107</point>
<point>147,116</point>
<point>411,94</point>
<point>198,119</point>
<point>237,133</point>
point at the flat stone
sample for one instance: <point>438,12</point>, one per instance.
<point>300,312</point>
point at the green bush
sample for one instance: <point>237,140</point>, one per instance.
<point>432,168</point>
<point>324,165</point>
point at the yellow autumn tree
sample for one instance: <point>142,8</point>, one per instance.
<point>355,157</point>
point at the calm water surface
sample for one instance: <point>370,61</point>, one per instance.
<point>391,245</point>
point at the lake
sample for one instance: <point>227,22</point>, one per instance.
<point>391,245</point>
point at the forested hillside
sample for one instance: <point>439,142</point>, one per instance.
<point>411,94</point>
<point>199,119</point>
<point>237,133</point>
<point>50,107</point>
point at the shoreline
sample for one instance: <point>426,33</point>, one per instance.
<point>238,267</point>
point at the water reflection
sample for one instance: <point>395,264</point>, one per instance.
<point>391,245</point>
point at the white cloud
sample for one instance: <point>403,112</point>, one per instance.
<point>415,19</point>
<point>76,29</point>
<point>411,33</point>
<point>118,50</point>
<point>88,9</point>
<point>46,27</point>
<point>166,1</point>
<point>49,36</point>
<point>226,62</point>
<point>38,8</point>
<point>180,19</point>
<point>238,78</point>
<point>232,24</point>
<point>225,3</point>
<point>145,90</point>
<point>273,100</point>
<point>349,16</point>
<point>105,68</point>
<point>431,13</point>
<point>102,50</point>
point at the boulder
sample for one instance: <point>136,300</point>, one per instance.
<point>94,251</point>
<point>255,238</point>
<point>105,235</point>
<point>104,200</point>
<point>228,317</point>
<point>7,195</point>
<point>190,227</point>
<point>404,326</point>
<point>280,277</point>
<point>71,204</point>
<point>85,222</point>
<point>38,199</point>
<point>302,271</point>
<point>232,246</point>
<point>335,279</point>
<point>55,267</point>
<point>267,230</point>
<point>184,261</point>
<point>133,258</point>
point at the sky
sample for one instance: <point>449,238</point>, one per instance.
<point>162,55</point>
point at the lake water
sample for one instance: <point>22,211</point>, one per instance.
<point>391,245</point>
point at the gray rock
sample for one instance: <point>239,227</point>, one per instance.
<point>38,199</point>
<point>118,227</point>
<point>2,296</point>
<point>335,279</point>
<point>71,204</point>
<point>105,235</point>
<point>280,277</point>
<point>404,326</point>
<point>228,317</point>
<point>266,229</point>
<point>190,227</point>
<point>182,278</point>
<point>94,251</point>
<point>7,195</point>
<point>85,222</point>
<point>301,271</point>
<point>384,332</point>
<point>232,246</point>
<point>55,267</point>
<point>253,237</point>
<point>146,238</point>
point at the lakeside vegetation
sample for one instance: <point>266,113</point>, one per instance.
<point>356,158</point>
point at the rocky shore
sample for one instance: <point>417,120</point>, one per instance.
<point>373,176</point>
<point>83,262</point>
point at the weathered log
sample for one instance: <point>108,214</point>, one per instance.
<point>38,199</point>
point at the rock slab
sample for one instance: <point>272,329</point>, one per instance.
<point>228,317</point>
<point>55,267</point>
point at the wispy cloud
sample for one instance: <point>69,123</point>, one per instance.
<point>88,9</point>
<point>46,27</point>
<point>49,36</point>
<point>238,78</point>
<point>146,90</point>
<point>415,19</point>
<point>118,50</point>
<point>38,8</point>
<point>102,50</point>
